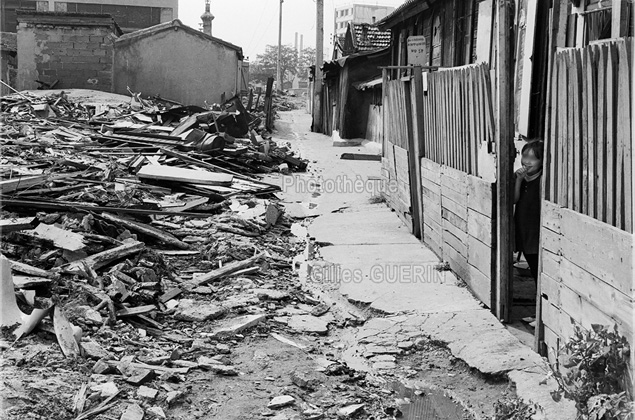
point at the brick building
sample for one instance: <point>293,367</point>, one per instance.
<point>67,50</point>
<point>130,15</point>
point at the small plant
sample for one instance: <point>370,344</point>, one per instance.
<point>596,374</point>
<point>513,409</point>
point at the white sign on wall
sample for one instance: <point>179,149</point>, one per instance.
<point>417,50</point>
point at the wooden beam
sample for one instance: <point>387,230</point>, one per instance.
<point>504,153</point>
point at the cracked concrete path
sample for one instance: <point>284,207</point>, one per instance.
<point>375,261</point>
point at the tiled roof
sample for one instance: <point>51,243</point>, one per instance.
<point>368,37</point>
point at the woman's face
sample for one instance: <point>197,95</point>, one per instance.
<point>531,162</point>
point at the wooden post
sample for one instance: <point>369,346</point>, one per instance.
<point>548,173</point>
<point>417,144</point>
<point>504,153</point>
<point>319,58</point>
<point>268,105</point>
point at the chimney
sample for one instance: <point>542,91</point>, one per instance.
<point>296,41</point>
<point>207,19</point>
<point>301,42</point>
<point>373,20</point>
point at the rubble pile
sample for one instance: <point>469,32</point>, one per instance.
<point>122,227</point>
<point>146,266</point>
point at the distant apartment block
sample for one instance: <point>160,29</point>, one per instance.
<point>130,15</point>
<point>358,13</point>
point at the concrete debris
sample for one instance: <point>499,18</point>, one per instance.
<point>280,401</point>
<point>191,310</point>
<point>350,410</point>
<point>308,323</point>
<point>147,393</point>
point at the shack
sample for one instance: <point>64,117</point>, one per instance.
<point>355,113</point>
<point>179,63</point>
<point>471,99</point>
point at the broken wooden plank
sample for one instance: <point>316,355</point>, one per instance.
<point>137,365</point>
<point>17,223</point>
<point>21,183</point>
<point>51,205</point>
<point>170,294</point>
<point>29,282</point>
<point>28,269</point>
<point>61,238</point>
<point>103,258</point>
<point>139,310</point>
<point>187,176</point>
<point>146,230</point>
<point>360,156</point>
<point>64,333</point>
<point>226,270</point>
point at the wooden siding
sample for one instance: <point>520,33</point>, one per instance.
<point>396,182</point>
<point>458,224</point>
<point>458,116</point>
<point>589,154</point>
<point>586,276</point>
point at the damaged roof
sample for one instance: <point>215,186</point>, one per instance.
<point>368,37</point>
<point>177,24</point>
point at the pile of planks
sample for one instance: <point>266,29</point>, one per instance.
<point>99,200</point>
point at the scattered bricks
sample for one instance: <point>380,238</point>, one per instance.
<point>174,396</point>
<point>147,393</point>
<point>271,294</point>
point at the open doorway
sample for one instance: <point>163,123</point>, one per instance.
<point>532,81</point>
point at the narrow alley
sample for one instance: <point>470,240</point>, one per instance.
<point>417,210</point>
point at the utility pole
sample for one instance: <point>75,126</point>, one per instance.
<point>278,69</point>
<point>319,58</point>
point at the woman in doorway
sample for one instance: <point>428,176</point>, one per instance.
<point>527,199</point>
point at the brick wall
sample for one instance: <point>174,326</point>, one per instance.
<point>77,52</point>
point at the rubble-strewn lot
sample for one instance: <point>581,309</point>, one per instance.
<point>147,272</point>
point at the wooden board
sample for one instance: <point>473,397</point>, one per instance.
<point>480,284</point>
<point>479,226</point>
<point>480,255</point>
<point>17,223</point>
<point>608,253</point>
<point>61,238</point>
<point>188,176</point>
<point>480,195</point>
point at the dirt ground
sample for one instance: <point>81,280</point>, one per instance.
<point>271,359</point>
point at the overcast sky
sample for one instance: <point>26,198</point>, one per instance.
<point>253,24</point>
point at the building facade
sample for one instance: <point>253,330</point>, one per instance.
<point>130,15</point>
<point>358,13</point>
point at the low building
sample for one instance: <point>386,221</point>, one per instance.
<point>65,50</point>
<point>178,63</point>
<point>131,15</point>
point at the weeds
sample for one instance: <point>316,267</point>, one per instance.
<point>596,374</point>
